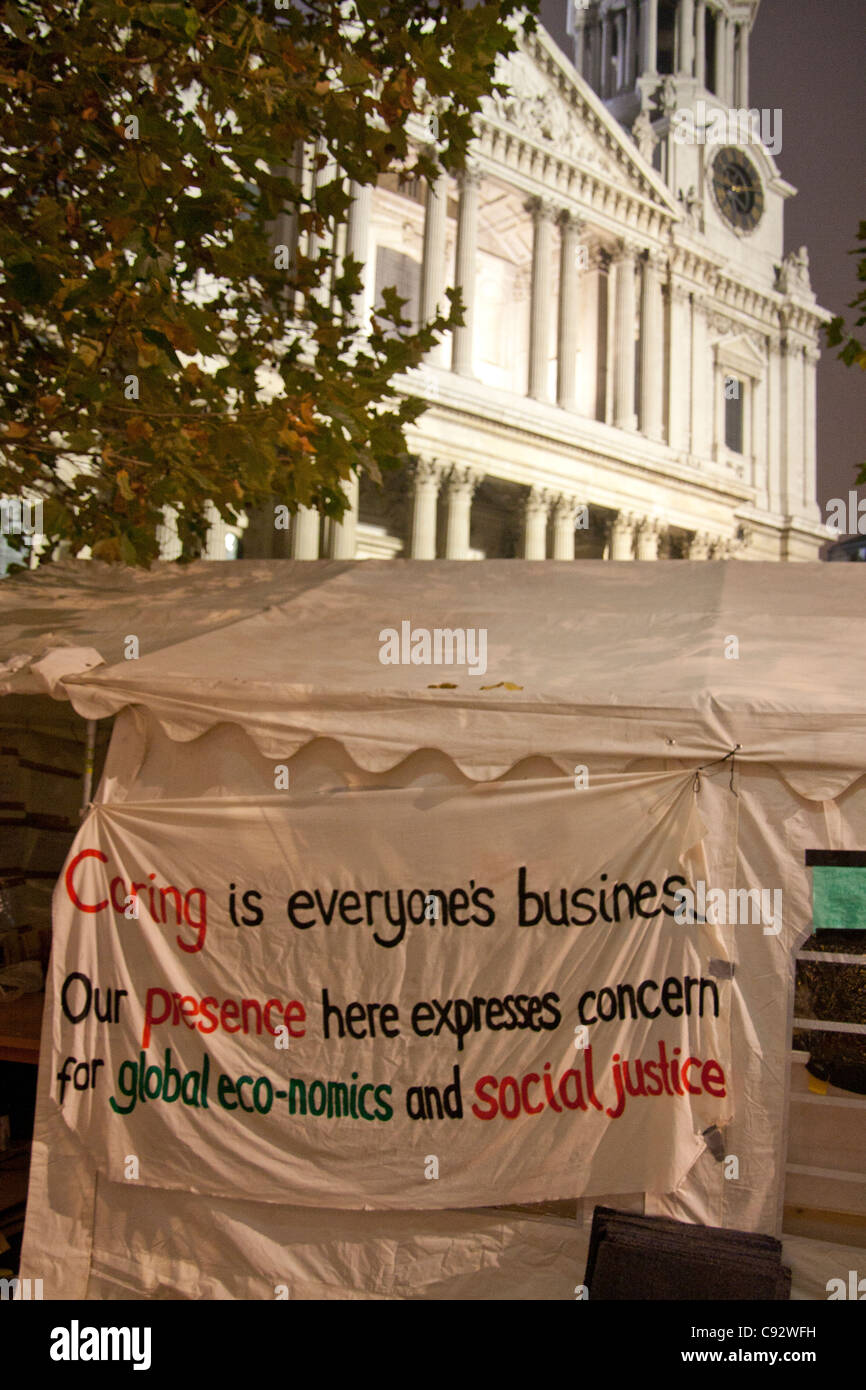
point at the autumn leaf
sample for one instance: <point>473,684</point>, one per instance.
<point>124,254</point>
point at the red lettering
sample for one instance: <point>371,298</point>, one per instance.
<point>229,1010</point>
<point>206,1013</point>
<point>200,925</point>
<point>70,886</point>
<point>272,1004</point>
<point>118,906</point>
<point>149,1017</point>
<point>187,1013</point>
<point>480,1087</point>
<point>691,1062</point>
<point>712,1075</point>
<point>509,1081</point>
<point>530,1109</point>
<point>295,1012</point>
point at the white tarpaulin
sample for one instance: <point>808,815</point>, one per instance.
<point>626,680</point>
<point>425,972</point>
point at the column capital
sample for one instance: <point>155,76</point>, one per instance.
<point>598,257</point>
<point>624,521</point>
<point>463,479</point>
<point>566,506</point>
<point>648,532</point>
<point>626,250</point>
<point>655,259</point>
<point>469,176</point>
<point>542,209</point>
<point>429,472</point>
<point>538,500</point>
<point>571,221</point>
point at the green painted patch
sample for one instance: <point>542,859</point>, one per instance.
<point>838,897</point>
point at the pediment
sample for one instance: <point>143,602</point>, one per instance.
<point>740,352</point>
<point>549,104</point>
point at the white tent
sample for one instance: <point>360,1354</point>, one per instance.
<point>613,720</point>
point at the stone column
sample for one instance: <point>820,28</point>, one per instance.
<point>433,258</point>
<point>743,67</point>
<point>318,241</point>
<point>687,37</point>
<point>652,346</point>
<point>623,351</point>
<point>597,54</point>
<point>167,537</point>
<point>774,422</point>
<point>358,245</point>
<point>679,384</point>
<point>569,280</point>
<point>730,66</point>
<point>466,255</point>
<point>535,524</point>
<point>630,44</point>
<point>579,43</point>
<point>702,403</point>
<point>759,438</point>
<point>305,533</point>
<point>648,536</point>
<point>461,486</point>
<point>565,511</point>
<point>793,424</point>
<point>650,33</point>
<point>543,213</point>
<point>811,358</point>
<point>286,230</point>
<point>700,546</point>
<point>342,540</point>
<point>622,536</point>
<point>591,382</point>
<point>619,67</point>
<point>428,480</point>
<point>701,42</point>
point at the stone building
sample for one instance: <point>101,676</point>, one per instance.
<point>636,377</point>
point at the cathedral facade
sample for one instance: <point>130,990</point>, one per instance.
<point>636,376</point>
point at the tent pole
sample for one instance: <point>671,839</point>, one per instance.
<point>88,767</point>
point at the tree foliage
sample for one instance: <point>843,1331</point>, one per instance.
<point>853,350</point>
<point>148,151</point>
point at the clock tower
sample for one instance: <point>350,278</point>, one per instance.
<point>675,73</point>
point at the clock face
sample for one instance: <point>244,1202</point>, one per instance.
<point>738,189</point>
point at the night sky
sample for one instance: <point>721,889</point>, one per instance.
<point>808,57</point>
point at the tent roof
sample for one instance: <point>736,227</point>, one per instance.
<point>600,659</point>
